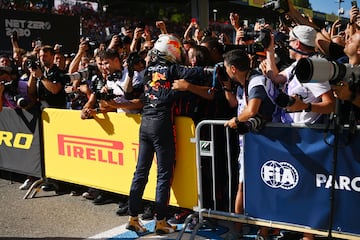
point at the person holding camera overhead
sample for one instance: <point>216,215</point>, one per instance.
<point>301,102</point>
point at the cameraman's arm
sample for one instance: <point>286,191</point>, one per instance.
<point>251,109</point>
<point>74,65</point>
<point>133,104</point>
<point>128,85</point>
<point>326,106</point>
<point>229,95</point>
<point>32,89</point>
<point>161,25</point>
<point>137,37</point>
<point>271,69</point>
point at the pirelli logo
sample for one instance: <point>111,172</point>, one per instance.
<point>93,149</point>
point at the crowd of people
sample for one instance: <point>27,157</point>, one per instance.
<point>199,74</point>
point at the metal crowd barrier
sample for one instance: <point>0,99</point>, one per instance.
<point>207,148</point>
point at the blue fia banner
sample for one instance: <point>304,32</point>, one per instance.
<point>288,177</point>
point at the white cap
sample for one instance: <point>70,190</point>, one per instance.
<point>305,34</point>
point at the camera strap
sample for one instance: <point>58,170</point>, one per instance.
<point>300,52</point>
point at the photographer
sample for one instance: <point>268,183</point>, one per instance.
<point>304,102</point>
<point>48,84</point>
<point>113,95</point>
<point>13,93</point>
<point>252,101</point>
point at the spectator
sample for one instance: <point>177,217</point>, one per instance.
<point>312,100</point>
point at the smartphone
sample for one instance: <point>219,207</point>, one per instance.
<point>354,3</point>
<point>193,20</point>
<point>261,21</point>
<point>38,43</point>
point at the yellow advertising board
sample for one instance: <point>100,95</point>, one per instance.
<point>102,153</point>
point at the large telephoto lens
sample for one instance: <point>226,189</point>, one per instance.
<point>319,70</point>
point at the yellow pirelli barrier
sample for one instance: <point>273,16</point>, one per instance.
<point>102,153</point>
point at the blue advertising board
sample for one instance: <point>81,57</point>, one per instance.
<point>288,178</point>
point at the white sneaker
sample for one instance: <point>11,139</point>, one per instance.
<point>26,185</point>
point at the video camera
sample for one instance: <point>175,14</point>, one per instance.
<point>315,69</point>
<point>261,38</point>
<point>280,6</point>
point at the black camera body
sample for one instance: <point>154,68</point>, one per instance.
<point>91,44</point>
<point>219,71</point>
<point>107,96</point>
<point>11,88</point>
<point>283,100</point>
<point>254,124</point>
<point>32,63</point>
<point>280,6</point>
<point>84,74</point>
<point>261,39</point>
<point>7,85</point>
<point>115,76</point>
<point>21,101</point>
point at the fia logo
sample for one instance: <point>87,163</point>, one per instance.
<point>279,175</point>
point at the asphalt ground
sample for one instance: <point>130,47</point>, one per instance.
<point>51,216</point>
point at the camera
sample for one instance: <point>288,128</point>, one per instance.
<point>115,76</point>
<point>91,44</point>
<point>218,72</point>
<point>21,101</point>
<point>283,100</point>
<point>7,85</point>
<point>261,41</point>
<point>10,87</point>
<point>77,99</point>
<point>105,95</point>
<point>354,3</point>
<point>133,59</point>
<point>84,74</point>
<point>280,6</point>
<point>252,124</point>
<point>32,63</point>
<point>315,69</point>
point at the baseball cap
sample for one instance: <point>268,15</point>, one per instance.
<point>305,34</point>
